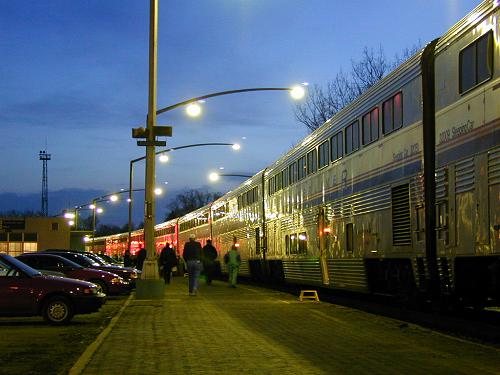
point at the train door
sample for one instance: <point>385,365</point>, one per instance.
<point>323,235</point>
<point>257,242</point>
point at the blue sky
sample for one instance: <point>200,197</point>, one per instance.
<point>74,78</point>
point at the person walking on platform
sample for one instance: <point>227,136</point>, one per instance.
<point>168,260</point>
<point>192,257</point>
<point>208,256</point>
<point>233,260</point>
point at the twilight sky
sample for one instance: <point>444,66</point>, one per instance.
<point>73,79</point>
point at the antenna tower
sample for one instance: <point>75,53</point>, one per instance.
<point>44,157</point>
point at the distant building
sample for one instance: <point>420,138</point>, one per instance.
<point>26,234</point>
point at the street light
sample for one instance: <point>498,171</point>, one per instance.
<point>163,158</point>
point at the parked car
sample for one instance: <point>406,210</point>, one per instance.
<point>107,282</point>
<point>110,260</point>
<point>26,292</point>
<point>87,260</point>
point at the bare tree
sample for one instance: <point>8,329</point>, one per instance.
<point>188,201</point>
<point>321,104</point>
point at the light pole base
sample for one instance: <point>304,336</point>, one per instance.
<point>149,289</point>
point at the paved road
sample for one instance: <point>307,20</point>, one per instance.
<point>249,330</point>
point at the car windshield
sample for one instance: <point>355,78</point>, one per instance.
<point>21,266</point>
<point>108,259</point>
<point>97,259</point>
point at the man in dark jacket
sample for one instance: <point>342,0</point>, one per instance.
<point>168,260</point>
<point>208,256</point>
<point>192,258</point>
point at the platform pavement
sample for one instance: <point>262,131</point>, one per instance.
<point>250,330</point>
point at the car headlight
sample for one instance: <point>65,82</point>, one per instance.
<point>133,275</point>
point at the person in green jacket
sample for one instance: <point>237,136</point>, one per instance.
<point>233,261</point>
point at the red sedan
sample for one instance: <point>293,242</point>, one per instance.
<point>107,282</point>
<point>26,292</point>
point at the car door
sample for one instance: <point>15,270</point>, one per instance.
<point>16,292</point>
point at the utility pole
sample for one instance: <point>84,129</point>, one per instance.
<point>44,157</point>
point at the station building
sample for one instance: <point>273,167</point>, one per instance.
<point>27,234</point>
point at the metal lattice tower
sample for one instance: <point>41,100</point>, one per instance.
<point>44,157</point>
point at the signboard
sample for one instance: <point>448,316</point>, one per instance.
<point>12,224</point>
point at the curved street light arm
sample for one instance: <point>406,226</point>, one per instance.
<point>169,108</point>
<point>181,147</point>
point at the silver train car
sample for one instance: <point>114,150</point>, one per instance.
<point>397,194</point>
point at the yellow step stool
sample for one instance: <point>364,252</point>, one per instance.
<point>309,294</point>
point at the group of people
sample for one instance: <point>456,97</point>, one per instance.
<point>197,259</point>
<point>203,259</point>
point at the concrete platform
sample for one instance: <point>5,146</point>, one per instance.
<point>249,330</point>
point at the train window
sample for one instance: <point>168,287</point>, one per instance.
<point>286,180</point>
<point>392,116</point>
<point>278,181</point>
<point>287,244</point>
<point>336,147</point>
<point>352,137</point>
<point>476,62</point>
<point>271,185</point>
<point>349,236</point>
<point>302,243</point>
<point>301,166</point>
<point>293,244</point>
<point>370,126</point>
<point>292,172</point>
<point>324,154</point>
<point>312,161</point>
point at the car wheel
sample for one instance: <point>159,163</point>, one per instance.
<point>101,286</point>
<point>58,310</point>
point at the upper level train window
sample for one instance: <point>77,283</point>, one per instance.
<point>312,162</point>
<point>284,176</point>
<point>370,126</point>
<point>324,154</point>
<point>301,166</point>
<point>292,172</point>
<point>352,137</point>
<point>476,62</point>
<point>337,149</point>
<point>392,113</point>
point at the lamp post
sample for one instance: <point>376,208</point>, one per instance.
<point>234,146</point>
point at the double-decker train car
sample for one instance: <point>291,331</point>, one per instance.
<point>398,193</point>
<point>197,223</point>
<point>166,233</point>
<point>236,218</point>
